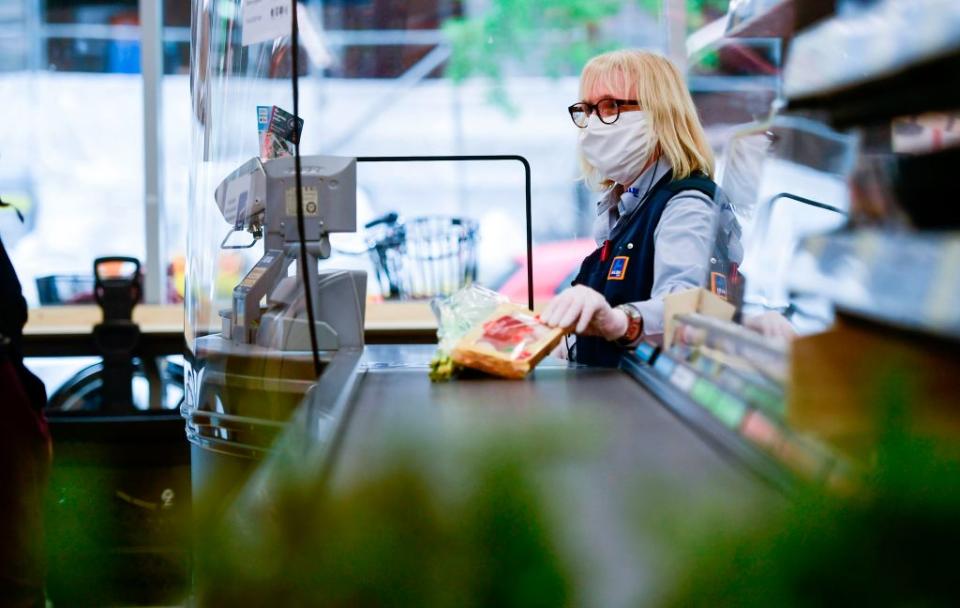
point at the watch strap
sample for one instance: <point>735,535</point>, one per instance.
<point>634,325</point>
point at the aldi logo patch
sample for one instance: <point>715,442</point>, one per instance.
<point>718,284</point>
<point>618,269</point>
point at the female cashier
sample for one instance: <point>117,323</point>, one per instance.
<point>642,145</point>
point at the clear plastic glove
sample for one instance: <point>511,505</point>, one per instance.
<point>585,312</point>
<point>771,324</point>
<point>562,351</point>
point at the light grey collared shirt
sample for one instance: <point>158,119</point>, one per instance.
<point>683,239</point>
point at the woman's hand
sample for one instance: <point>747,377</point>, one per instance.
<point>771,324</point>
<point>586,312</point>
<point>561,351</point>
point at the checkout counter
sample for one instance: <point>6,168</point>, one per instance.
<point>644,453</point>
<point>267,398</point>
<point>364,395</point>
<point>655,441</point>
<point>246,381</point>
<point>263,402</point>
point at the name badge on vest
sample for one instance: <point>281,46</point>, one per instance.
<point>618,268</point>
<point>718,284</point>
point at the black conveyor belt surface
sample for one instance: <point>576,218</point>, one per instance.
<point>388,399</point>
<point>647,453</point>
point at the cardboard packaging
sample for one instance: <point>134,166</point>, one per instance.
<point>697,300</point>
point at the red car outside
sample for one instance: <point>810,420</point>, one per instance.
<point>554,266</point>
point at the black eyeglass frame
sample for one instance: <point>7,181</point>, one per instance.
<point>594,108</point>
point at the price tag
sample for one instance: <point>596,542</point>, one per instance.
<point>265,20</point>
<point>683,378</point>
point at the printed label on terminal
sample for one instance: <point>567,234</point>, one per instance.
<point>311,202</point>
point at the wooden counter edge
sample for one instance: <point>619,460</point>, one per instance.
<point>164,319</point>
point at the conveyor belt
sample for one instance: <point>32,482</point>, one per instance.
<point>387,399</point>
<point>365,398</point>
<point>649,462</point>
<point>650,459</point>
<point>392,392</point>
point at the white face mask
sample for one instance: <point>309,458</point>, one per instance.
<point>618,151</point>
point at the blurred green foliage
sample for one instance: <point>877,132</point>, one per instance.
<point>891,544</point>
<point>395,537</point>
<point>699,12</point>
<point>893,547</point>
<point>559,36</point>
<point>562,34</point>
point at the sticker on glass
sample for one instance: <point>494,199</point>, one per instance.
<point>265,20</point>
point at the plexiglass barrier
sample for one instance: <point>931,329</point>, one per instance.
<point>263,315</point>
<point>376,228</point>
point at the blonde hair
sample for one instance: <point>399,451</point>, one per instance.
<point>660,89</point>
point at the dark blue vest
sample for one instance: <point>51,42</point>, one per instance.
<point>625,273</point>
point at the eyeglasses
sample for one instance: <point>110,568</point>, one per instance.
<point>608,110</point>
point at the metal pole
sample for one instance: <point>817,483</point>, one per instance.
<point>37,53</point>
<point>528,194</point>
<point>151,67</point>
<point>675,18</point>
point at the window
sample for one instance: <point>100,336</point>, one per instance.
<point>72,159</point>
<point>436,77</point>
<point>422,77</point>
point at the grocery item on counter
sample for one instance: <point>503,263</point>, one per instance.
<point>456,315</point>
<point>509,343</point>
<point>442,368</point>
<point>460,312</point>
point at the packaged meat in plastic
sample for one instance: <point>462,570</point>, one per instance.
<point>462,311</point>
<point>509,343</point>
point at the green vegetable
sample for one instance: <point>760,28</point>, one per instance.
<point>442,368</point>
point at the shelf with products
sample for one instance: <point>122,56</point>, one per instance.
<point>906,280</point>
<point>729,384</point>
<point>774,18</point>
<point>889,362</point>
<point>873,65</point>
<point>891,274</point>
<point>915,89</point>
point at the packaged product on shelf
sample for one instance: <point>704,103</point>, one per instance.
<point>695,300</point>
<point>928,132</point>
<point>923,30</point>
<point>734,375</point>
<point>509,343</point>
<point>762,361</point>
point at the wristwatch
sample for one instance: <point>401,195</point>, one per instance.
<point>634,325</point>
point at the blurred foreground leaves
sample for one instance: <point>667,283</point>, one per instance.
<point>397,536</point>
<point>466,522</point>
<point>892,545</point>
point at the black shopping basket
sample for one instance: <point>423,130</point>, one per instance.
<point>423,257</point>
